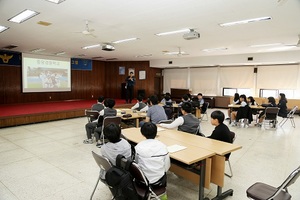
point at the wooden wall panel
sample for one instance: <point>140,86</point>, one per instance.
<point>104,79</point>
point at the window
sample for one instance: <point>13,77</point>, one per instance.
<point>232,91</point>
<point>275,93</point>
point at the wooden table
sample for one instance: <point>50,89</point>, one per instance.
<point>137,116</point>
<point>209,152</point>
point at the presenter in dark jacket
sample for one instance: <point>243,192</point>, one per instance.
<point>130,82</point>
<point>221,131</point>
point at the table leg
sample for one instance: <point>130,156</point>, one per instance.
<point>223,195</point>
<point>202,180</point>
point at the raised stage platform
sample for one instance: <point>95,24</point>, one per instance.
<point>20,114</point>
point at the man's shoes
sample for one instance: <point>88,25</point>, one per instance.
<point>228,118</point>
<point>88,141</point>
<point>233,124</point>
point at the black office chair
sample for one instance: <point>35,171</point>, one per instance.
<point>262,191</point>
<point>104,165</point>
<point>290,116</point>
<point>141,183</point>
<point>232,138</point>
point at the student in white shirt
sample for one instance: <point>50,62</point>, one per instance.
<point>152,155</point>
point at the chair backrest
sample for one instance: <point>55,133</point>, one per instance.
<point>110,119</point>
<point>291,179</point>
<point>292,112</point>
<point>91,115</point>
<point>271,113</point>
<point>101,161</point>
<point>232,136</point>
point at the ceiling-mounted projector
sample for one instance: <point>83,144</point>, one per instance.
<point>191,35</point>
<point>108,47</point>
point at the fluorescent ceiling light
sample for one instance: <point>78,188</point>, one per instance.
<point>125,40</point>
<point>55,1</point>
<point>266,45</point>
<point>215,49</point>
<point>174,32</point>
<point>60,53</point>
<point>246,21</point>
<point>37,50</point>
<point>91,46</point>
<point>23,16</point>
<point>174,53</point>
<point>3,28</point>
<point>145,55</point>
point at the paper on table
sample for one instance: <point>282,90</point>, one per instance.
<point>175,148</point>
<point>160,129</point>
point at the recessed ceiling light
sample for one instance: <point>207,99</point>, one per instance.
<point>215,49</point>
<point>175,53</point>
<point>91,46</point>
<point>125,40</point>
<point>145,55</point>
<point>266,45</point>
<point>55,1</point>
<point>246,21</point>
<point>174,32</point>
<point>37,50</point>
<point>23,16</point>
<point>44,23</point>
<point>3,28</point>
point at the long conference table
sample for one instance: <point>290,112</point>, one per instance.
<point>208,152</point>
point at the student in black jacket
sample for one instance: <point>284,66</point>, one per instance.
<point>221,131</point>
<point>282,105</point>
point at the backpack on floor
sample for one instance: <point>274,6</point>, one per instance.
<point>120,181</point>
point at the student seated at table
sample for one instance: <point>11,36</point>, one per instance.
<point>221,131</point>
<point>187,122</point>
<point>167,99</point>
<point>243,103</point>
<point>140,105</point>
<point>185,98</point>
<point>115,144</point>
<point>282,105</point>
<point>236,100</point>
<point>108,111</point>
<point>155,112</point>
<point>271,103</point>
<point>152,155</point>
<point>200,99</point>
<point>251,101</point>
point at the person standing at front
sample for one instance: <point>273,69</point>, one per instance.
<point>130,82</point>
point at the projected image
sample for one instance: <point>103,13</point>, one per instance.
<point>45,74</point>
<point>47,78</point>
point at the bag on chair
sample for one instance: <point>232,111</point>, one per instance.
<point>121,181</point>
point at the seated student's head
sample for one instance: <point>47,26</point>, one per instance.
<point>199,95</point>
<point>167,97</point>
<point>100,99</point>
<point>139,98</point>
<point>271,100</point>
<point>153,100</point>
<point>112,132</point>
<point>149,130</point>
<point>185,97</point>
<point>109,103</point>
<point>217,117</point>
<point>243,97</point>
<point>186,107</point>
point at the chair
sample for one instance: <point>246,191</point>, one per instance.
<point>232,137</point>
<point>271,116</point>
<point>104,165</point>
<point>168,111</point>
<point>244,116</point>
<point>141,183</point>
<point>91,115</point>
<point>204,111</point>
<point>262,191</point>
<point>110,119</point>
<point>290,116</point>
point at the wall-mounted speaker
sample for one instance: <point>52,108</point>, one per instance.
<point>250,58</point>
<point>255,70</point>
